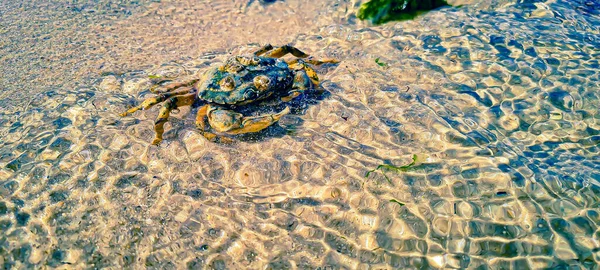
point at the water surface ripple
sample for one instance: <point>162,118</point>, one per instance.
<point>498,101</point>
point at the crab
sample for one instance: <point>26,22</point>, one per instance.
<point>241,80</point>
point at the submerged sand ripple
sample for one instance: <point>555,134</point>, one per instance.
<point>498,102</point>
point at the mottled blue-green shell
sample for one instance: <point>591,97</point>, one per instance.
<point>236,81</point>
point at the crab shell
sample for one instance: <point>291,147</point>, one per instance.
<point>245,79</point>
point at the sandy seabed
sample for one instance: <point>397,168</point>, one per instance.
<point>497,100</point>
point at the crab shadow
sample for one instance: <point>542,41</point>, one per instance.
<point>263,2</point>
<point>298,106</point>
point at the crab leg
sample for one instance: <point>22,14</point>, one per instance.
<point>200,117</point>
<point>263,50</point>
<point>301,66</point>
<point>285,49</point>
<point>149,102</point>
<point>314,61</point>
<point>165,111</point>
<point>301,83</point>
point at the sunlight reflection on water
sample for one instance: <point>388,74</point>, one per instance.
<point>498,101</point>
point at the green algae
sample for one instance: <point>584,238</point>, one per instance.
<point>380,63</point>
<point>382,11</point>
<point>388,167</point>
<point>397,202</point>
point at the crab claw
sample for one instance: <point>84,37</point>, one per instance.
<point>231,122</point>
<point>258,123</point>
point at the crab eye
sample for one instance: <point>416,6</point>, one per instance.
<point>234,67</point>
<point>248,61</point>
<point>227,83</point>
<point>262,82</point>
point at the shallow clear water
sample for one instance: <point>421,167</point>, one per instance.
<point>498,101</point>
